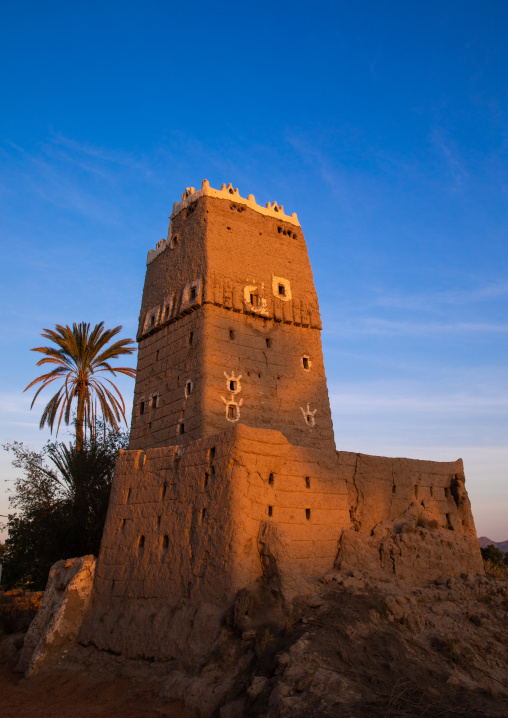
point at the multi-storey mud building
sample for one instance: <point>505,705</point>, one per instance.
<point>232,470</point>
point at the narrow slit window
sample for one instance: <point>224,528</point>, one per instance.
<point>232,386</point>
<point>164,489</point>
<point>394,489</point>
<point>141,407</point>
<point>231,335</point>
<point>207,476</point>
<point>307,482</point>
<point>182,428</point>
<point>188,388</point>
<point>152,320</point>
<point>232,411</point>
<point>165,543</point>
<point>211,454</point>
<point>158,521</point>
<point>128,494</point>
<point>191,338</point>
<point>307,514</point>
<point>193,293</point>
<point>268,343</point>
<point>203,514</point>
<point>282,290</point>
<point>254,300</point>
<point>157,355</point>
<point>305,363</point>
<point>154,401</point>
<point>270,511</point>
<point>270,479</point>
<point>141,543</point>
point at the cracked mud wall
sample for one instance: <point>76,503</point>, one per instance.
<point>411,519</point>
<point>182,532</point>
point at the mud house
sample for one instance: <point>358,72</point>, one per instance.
<point>232,470</point>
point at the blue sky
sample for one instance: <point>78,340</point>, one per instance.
<point>383,125</point>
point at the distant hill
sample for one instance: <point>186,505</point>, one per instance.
<point>501,545</point>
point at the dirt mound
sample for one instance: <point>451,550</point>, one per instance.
<point>350,647</point>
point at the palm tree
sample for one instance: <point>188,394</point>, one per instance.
<point>80,355</point>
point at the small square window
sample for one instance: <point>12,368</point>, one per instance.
<point>232,386</point>
<point>282,290</point>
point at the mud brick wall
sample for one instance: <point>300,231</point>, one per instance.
<point>382,488</point>
<point>229,331</point>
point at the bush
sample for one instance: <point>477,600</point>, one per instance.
<point>61,507</point>
<point>493,554</point>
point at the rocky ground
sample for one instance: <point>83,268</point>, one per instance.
<point>349,647</point>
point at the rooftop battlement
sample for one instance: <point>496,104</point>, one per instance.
<point>190,195</point>
<point>272,209</point>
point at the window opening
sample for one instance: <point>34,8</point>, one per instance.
<point>231,334</point>
<point>203,514</point>
<point>394,489</point>
<point>232,386</point>
<point>211,454</point>
<point>270,479</point>
<point>270,511</point>
<point>282,290</point>
<point>181,428</point>
<point>158,521</point>
<point>188,388</point>
<point>232,411</point>
<point>305,363</point>
<point>164,489</point>
<point>154,401</point>
<point>307,482</point>
<point>268,343</point>
<point>141,407</point>
<point>207,476</point>
<point>193,293</point>
<point>129,494</point>
<point>191,338</point>
<point>157,355</point>
<point>307,514</point>
<point>141,543</point>
<point>165,542</point>
<point>152,320</point>
<point>254,300</point>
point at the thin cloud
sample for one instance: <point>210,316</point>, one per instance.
<point>434,300</point>
<point>388,327</point>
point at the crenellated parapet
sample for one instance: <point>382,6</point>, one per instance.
<point>228,192</point>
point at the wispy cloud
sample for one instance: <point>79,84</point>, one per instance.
<point>426,301</point>
<point>374,326</point>
<point>450,153</point>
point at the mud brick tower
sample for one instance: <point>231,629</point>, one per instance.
<point>232,480</point>
<point>229,327</point>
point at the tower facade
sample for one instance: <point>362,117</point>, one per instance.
<point>229,329</point>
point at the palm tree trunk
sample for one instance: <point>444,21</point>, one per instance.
<point>80,418</point>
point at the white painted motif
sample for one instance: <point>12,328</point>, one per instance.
<point>308,415</point>
<point>232,406</point>
<point>281,288</point>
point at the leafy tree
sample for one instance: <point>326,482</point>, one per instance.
<point>493,554</point>
<point>61,500</point>
<point>80,355</point>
